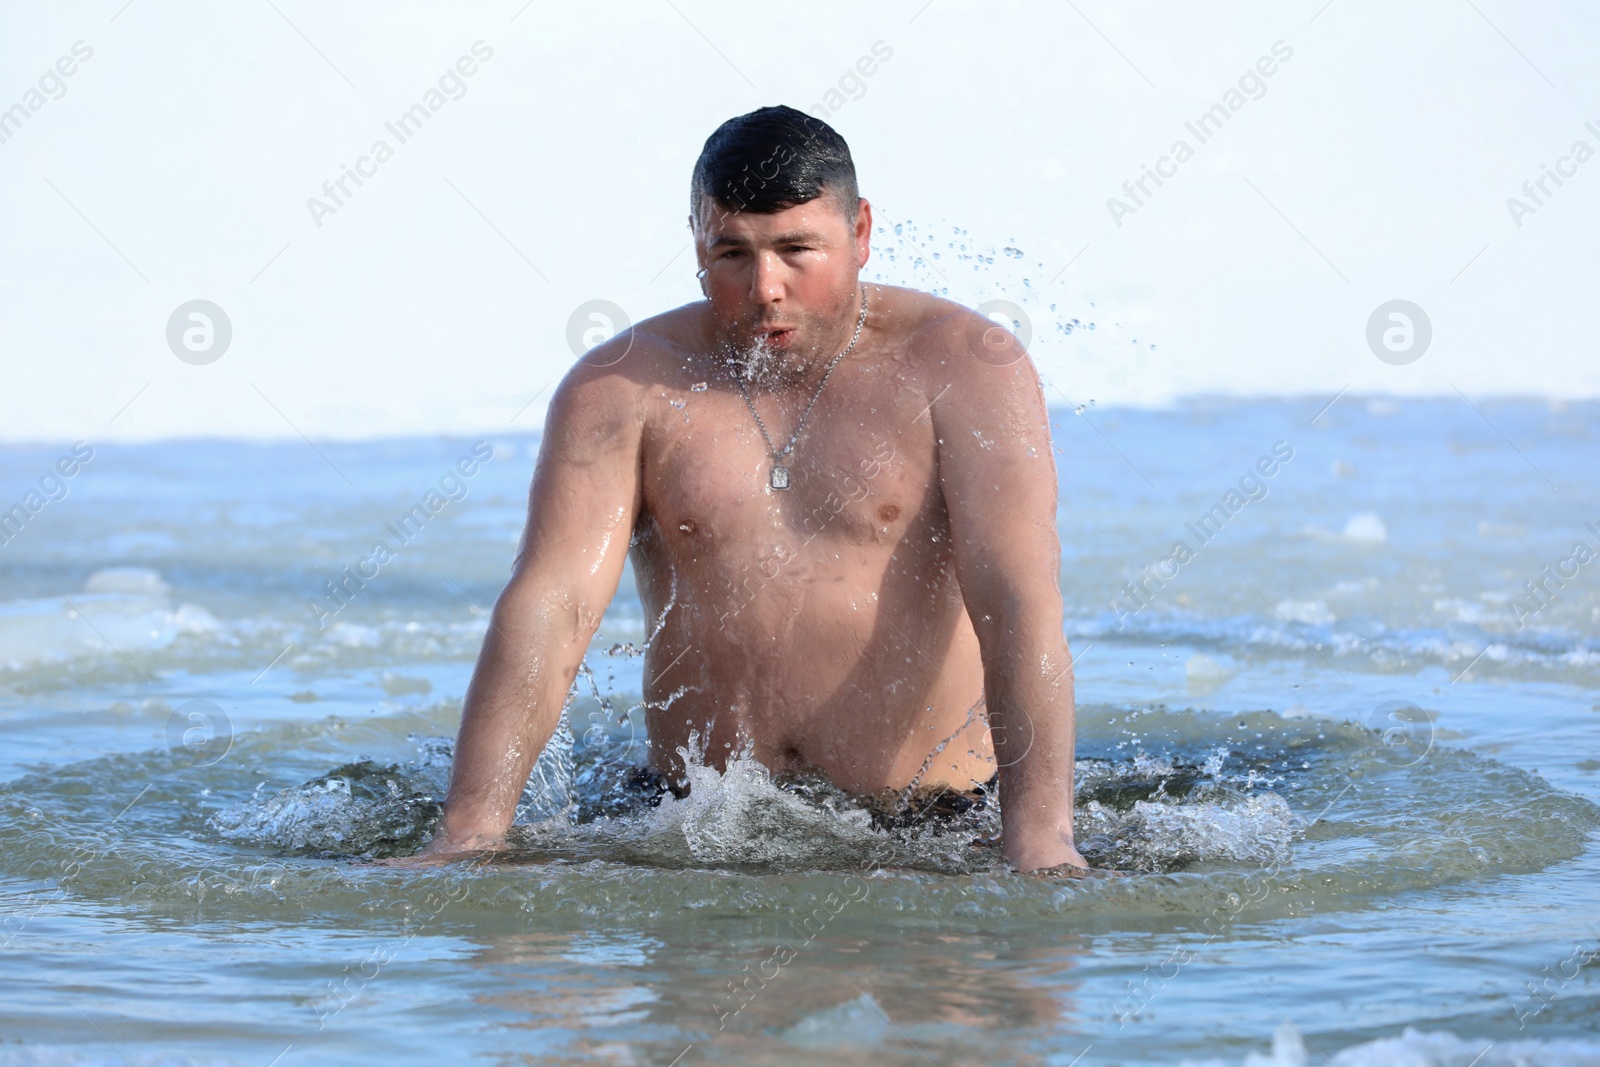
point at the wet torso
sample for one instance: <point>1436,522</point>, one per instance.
<point>820,624</point>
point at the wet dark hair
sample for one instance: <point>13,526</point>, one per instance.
<point>774,158</point>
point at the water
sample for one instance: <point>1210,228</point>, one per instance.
<point>1351,803</point>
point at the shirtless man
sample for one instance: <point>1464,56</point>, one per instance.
<point>841,496</point>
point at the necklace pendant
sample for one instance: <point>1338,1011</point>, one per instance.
<point>779,479</point>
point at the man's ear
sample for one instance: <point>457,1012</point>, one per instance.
<point>699,257</point>
<point>694,239</point>
<point>863,233</point>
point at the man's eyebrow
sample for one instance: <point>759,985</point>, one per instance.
<point>797,237</point>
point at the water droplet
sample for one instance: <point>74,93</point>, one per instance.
<point>698,387</point>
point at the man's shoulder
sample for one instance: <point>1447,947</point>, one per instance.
<point>624,368</point>
<point>923,317</point>
<point>953,344</point>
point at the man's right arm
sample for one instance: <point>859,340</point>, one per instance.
<point>581,510</point>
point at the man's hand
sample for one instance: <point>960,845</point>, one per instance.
<point>423,859</point>
<point>444,849</point>
<point>1049,859</point>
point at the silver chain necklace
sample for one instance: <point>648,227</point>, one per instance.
<point>778,477</point>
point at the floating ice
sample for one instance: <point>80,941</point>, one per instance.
<point>1366,529</point>
<point>1418,1048</point>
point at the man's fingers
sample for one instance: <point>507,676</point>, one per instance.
<point>407,861</point>
<point>1061,870</point>
<point>435,859</point>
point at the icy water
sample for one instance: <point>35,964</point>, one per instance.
<point>1345,761</point>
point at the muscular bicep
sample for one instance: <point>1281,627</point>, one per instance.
<point>999,483</point>
<point>585,492</point>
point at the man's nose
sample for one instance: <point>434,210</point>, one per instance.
<point>766,281</point>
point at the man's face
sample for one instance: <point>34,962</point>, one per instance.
<point>783,284</point>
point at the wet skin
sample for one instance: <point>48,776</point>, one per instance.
<point>892,617</point>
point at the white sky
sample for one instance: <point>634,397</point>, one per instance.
<point>177,165</point>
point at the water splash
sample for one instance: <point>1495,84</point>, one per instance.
<point>1284,814</point>
<point>1146,813</point>
<point>369,810</point>
<point>359,808</point>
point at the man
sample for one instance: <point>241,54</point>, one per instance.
<point>840,500</point>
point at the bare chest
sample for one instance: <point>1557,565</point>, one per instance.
<point>862,472</point>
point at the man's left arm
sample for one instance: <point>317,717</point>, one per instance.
<point>999,482</point>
